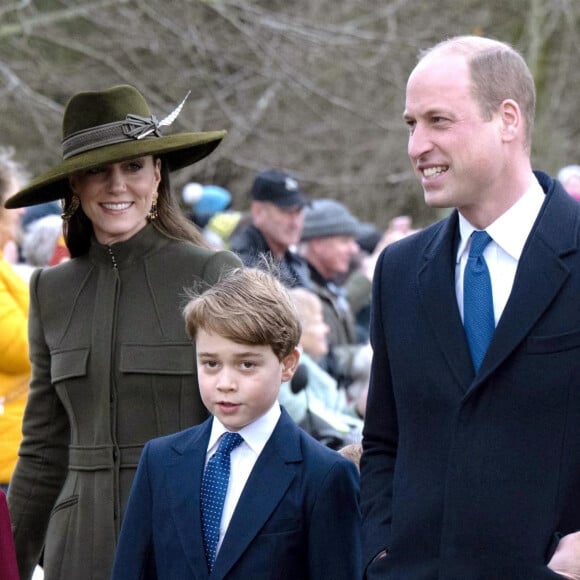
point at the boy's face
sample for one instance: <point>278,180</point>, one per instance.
<point>239,382</point>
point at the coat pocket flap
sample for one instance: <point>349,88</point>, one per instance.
<point>554,343</point>
<point>67,364</point>
<point>167,359</point>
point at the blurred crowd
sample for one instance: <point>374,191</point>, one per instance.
<point>29,238</point>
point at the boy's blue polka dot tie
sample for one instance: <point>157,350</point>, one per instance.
<point>478,317</point>
<point>213,493</point>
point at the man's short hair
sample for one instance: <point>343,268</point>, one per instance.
<point>498,72</point>
<point>248,306</point>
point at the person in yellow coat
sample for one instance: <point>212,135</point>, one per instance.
<point>14,362</point>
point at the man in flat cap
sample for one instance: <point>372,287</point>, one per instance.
<point>328,244</point>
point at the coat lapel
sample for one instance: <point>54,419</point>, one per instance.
<point>436,281</point>
<point>270,478</point>
<point>542,271</point>
<point>184,474</point>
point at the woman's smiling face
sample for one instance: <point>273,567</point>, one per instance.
<point>117,198</point>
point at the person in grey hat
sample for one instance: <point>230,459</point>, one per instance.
<point>277,217</point>
<point>329,238</point>
<point>328,246</point>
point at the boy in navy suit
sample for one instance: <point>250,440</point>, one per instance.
<point>291,505</point>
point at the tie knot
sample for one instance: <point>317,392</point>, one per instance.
<point>229,441</point>
<point>479,240</point>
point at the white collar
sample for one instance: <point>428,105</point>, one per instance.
<point>255,435</point>
<point>511,229</point>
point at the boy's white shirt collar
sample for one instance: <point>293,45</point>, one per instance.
<point>255,435</point>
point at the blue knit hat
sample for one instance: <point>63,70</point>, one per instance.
<point>213,199</point>
<point>36,212</point>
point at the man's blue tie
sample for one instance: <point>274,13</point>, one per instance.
<point>478,316</point>
<point>213,493</point>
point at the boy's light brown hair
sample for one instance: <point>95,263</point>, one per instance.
<point>247,306</point>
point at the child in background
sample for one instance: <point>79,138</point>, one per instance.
<point>291,505</point>
<point>319,397</point>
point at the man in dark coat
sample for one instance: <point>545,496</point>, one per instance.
<point>277,218</point>
<point>470,468</point>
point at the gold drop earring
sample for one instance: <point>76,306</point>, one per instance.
<point>73,205</point>
<point>153,215</point>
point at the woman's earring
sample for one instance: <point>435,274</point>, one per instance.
<point>153,211</point>
<point>73,205</point>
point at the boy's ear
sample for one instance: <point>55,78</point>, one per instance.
<point>290,364</point>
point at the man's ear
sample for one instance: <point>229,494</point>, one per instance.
<point>512,122</point>
<point>290,364</point>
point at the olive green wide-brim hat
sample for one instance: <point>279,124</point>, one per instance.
<point>104,127</point>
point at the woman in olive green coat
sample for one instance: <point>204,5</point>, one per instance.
<point>112,366</point>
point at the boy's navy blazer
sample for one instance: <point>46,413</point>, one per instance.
<point>298,516</point>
